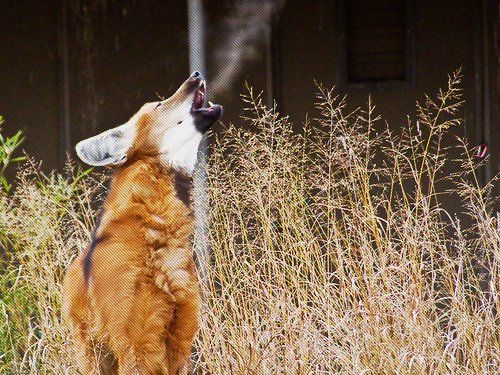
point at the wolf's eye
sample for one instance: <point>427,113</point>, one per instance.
<point>158,105</point>
<point>180,122</point>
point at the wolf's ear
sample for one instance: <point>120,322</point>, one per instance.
<point>108,148</point>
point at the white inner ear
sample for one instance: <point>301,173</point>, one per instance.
<point>179,146</point>
<point>107,148</point>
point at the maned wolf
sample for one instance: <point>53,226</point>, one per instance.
<point>131,299</point>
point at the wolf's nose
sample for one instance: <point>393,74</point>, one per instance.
<point>196,74</point>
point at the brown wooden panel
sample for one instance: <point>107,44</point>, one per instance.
<point>378,58</point>
<point>122,56</point>
<point>28,76</point>
<point>371,71</point>
<point>375,40</point>
<point>374,31</point>
<point>375,17</point>
<point>376,44</point>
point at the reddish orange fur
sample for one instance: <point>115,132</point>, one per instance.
<point>142,298</point>
<point>131,299</point>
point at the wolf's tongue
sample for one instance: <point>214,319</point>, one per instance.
<point>198,100</point>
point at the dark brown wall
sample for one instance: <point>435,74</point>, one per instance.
<point>447,36</point>
<point>255,71</point>
<point>121,57</point>
<point>122,53</point>
<point>118,56</point>
<point>29,74</point>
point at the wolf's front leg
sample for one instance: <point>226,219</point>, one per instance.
<point>176,276</point>
<point>85,352</point>
<point>184,324</point>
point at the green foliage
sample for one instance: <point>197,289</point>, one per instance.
<point>16,306</point>
<point>8,145</point>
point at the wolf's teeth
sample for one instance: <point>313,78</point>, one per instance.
<point>210,103</point>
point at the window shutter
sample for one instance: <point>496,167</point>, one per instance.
<point>375,32</point>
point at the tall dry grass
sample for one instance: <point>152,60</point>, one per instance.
<point>332,254</point>
<point>45,222</point>
<point>331,251</point>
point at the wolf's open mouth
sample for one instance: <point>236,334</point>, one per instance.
<point>199,97</point>
<point>204,117</point>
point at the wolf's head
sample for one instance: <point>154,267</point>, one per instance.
<point>170,130</point>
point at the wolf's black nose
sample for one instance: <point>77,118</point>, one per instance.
<point>196,74</point>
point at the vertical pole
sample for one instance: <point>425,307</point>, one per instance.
<point>196,36</point>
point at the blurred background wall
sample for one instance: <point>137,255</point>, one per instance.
<point>70,69</point>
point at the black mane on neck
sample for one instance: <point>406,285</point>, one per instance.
<point>183,184</point>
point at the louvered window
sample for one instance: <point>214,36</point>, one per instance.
<point>376,40</point>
